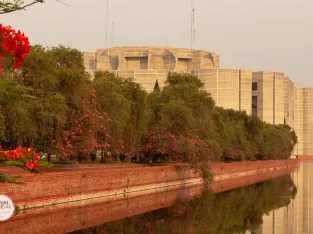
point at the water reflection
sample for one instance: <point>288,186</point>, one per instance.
<point>235,211</point>
<point>297,216</point>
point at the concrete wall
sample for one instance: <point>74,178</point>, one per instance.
<point>279,102</point>
<point>307,121</point>
<point>304,121</point>
<point>271,96</point>
<point>230,88</point>
<point>147,78</point>
<point>299,122</point>
<point>151,58</point>
<point>289,102</point>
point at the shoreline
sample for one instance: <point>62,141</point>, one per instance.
<point>98,210</point>
<point>73,183</point>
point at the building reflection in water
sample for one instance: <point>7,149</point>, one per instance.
<point>297,217</point>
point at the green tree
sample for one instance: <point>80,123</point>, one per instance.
<point>57,87</point>
<point>124,101</point>
<point>181,122</point>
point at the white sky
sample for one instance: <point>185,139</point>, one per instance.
<point>272,35</point>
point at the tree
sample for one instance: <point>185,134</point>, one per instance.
<point>19,157</point>
<point>14,44</point>
<point>124,101</point>
<point>181,119</point>
<point>56,90</point>
<point>14,100</point>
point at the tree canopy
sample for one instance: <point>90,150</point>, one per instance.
<point>51,104</point>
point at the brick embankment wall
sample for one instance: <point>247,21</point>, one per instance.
<point>80,182</point>
<point>78,215</point>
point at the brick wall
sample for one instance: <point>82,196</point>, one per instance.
<point>75,216</point>
<point>103,180</point>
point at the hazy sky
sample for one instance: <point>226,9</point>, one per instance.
<point>273,35</point>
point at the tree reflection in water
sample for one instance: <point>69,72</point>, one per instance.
<point>234,211</point>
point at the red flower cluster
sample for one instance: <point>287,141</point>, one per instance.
<point>32,164</point>
<point>18,153</point>
<point>13,43</point>
<point>24,154</point>
<point>86,132</point>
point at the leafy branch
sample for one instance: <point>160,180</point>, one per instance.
<point>9,179</point>
<point>17,5</point>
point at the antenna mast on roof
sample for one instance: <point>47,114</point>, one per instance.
<point>192,29</point>
<point>106,31</point>
<point>112,34</point>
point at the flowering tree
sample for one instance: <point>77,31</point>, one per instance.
<point>13,44</point>
<point>124,102</point>
<point>180,123</point>
<point>86,131</point>
<point>19,157</point>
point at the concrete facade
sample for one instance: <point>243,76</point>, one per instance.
<point>230,88</point>
<point>276,100</point>
<point>146,64</point>
<point>271,96</point>
<point>304,121</point>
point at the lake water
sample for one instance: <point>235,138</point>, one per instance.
<point>283,205</point>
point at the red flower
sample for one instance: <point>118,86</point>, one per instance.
<point>35,164</point>
<point>13,43</point>
<point>36,157</point>
<point>30,164</point>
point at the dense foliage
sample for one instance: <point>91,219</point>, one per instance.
<point>51,105</point>
<point>235,211</point>
<point>244,137</point>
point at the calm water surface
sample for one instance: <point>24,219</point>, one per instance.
<point>282,206</point>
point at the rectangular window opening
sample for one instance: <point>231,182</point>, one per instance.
<point>254,86</point>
